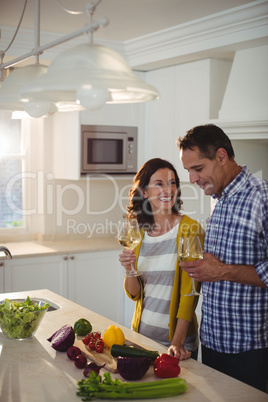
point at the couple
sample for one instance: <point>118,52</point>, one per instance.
<point>233,272</point>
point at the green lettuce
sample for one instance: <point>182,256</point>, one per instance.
<point>20,320</point>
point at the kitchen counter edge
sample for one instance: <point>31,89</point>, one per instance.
<point>45,248</point>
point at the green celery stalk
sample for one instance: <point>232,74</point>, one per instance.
<point>95,387</point>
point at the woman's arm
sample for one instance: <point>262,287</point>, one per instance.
<point>132,285</point>
<point>177,345</point>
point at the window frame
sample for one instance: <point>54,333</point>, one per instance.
<point>14,233</point>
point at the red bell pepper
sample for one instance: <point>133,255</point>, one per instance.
<point>166,366</point>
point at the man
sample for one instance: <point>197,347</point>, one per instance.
<point>234,269</point>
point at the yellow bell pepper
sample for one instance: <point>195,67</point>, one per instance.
<point>113,335</point>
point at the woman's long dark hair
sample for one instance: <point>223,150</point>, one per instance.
<point>139,207</point>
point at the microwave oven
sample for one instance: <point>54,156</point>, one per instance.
<point>108,149</point>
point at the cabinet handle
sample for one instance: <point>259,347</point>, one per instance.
<point>72,257</point>
<point>1,264</point>
<point>65,258</point>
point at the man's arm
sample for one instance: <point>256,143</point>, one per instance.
<point>211,269</point>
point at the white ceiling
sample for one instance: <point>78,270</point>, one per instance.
<point>128,18</point>
<point>149,33</point>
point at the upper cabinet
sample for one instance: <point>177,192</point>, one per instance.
<point>66,145</point>
<point>191,94</point>
<point>160,116</point>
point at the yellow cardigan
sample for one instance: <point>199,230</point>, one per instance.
<point>180,306</point>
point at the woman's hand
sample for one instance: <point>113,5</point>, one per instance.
<point>179,352</point>
<point>177,344</point>
<point>132,284</point>
<point>126,258</point>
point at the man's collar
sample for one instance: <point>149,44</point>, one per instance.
<point>235,185</point>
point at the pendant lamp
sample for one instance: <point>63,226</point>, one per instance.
<point>10,98</point>
<point>89,75</point>
<point>83,77</point>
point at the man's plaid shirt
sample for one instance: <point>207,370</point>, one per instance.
<point>235,316</point>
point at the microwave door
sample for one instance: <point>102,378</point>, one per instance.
<point>105,152</point>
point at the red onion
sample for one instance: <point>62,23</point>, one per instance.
<point>73,352</point>
<point>92,367</point>
<point>80,361</point>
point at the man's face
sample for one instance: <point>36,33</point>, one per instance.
<point>208,174</point>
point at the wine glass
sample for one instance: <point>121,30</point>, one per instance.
<point>129,237</point>
<point>190,249</point>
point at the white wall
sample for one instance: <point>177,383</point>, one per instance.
<point>254,154</point>
<point>191,94</point>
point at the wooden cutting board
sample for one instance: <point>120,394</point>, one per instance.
<point>105,357</point>
<point>98,358</point>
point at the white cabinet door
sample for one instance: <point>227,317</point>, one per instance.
<point>96,282</point>
<point>48,272</point>
<point>159,139</point>
<point>190,94</point>
<point>66,145</point>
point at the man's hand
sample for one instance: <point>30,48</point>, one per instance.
<point>209,269</point>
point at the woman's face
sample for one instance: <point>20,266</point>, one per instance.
<point>161,191</point>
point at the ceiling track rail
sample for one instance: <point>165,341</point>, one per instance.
<point>89,28</point>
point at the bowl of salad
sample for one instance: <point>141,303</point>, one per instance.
<point>20,319</point>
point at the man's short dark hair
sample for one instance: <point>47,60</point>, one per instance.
<point>208,139</point>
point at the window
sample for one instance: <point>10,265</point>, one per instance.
<point>12,161</point>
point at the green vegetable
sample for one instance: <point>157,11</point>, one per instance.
<point>21,320</point>
<point>96,387</point>
<point>129,351</point>
<point>82,327</point>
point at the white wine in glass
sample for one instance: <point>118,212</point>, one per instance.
<point>129,237</point>
<point>190,249</point>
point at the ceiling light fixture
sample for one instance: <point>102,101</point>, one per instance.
<point>89,75</point>
<point>10,98</point>
<point>83,77</point>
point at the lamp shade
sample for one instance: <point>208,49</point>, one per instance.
<point>89,75</point>
<point>10,97</point>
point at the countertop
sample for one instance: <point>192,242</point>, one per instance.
<point>31,370</point>
<point>43,248</point>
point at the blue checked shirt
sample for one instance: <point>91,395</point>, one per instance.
<point>235,316</point>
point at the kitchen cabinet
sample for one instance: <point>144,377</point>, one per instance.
<point>160,116</point>
<point>95,281</point>
<point>44,272</point>
<point>190,94</point>
<point>92,279</point>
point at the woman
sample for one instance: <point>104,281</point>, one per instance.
<point>163,312</point>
